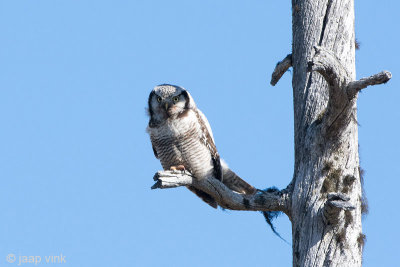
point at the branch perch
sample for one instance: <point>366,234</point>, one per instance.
<point>226,198</point>
<point>280,69</point>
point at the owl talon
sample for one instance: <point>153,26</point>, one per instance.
<point>178,168</point>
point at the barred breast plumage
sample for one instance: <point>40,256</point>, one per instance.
<point>181,142</point>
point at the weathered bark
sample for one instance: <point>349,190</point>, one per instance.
<point>326,197</point>
<point>323,201</point>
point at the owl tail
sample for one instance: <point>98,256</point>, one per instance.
<point>231,180</point>
<point>204,196</point>
<point>234,182</point>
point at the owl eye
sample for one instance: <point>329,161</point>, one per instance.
<point>175,99</point>
<point>158,99</point>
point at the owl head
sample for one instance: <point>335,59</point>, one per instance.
<point>168,101</point>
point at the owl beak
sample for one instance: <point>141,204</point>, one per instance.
<point>166,106</point>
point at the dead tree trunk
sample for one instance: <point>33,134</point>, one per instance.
<point>326,196</point>
<point>323,201</point>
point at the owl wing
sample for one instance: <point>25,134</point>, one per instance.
<point>206,123</point>
<point>154,149</point>
<point>230,178</point>
<point>208,140</point>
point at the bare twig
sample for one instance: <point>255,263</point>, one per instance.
<point>354,87</point>
<point>280,69</point>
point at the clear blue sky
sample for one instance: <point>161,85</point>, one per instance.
<point>76,164</point>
